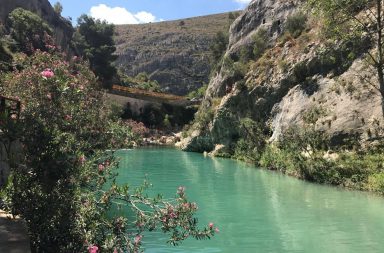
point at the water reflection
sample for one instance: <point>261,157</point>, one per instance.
<point>257,210</point>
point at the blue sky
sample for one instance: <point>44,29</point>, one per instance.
<point>144,11</point>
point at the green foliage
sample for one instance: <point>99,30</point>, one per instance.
<point>166,122</point>
<point>29,31</point>
<point>334,58</point>
<point>313,114</point>
<point>246,54</point>
<point>5,57</point>
<point>260,40</point>
<point>237,70</point>
<point>93,40</point>
<point>218,47</point>
<point>58,8</point>
<point>296,24</point>
<point>305,153</point>
<point>204,116</point>
<point>376,182</point>
<point>339,16</point>
<point>140,81</point>
<point>252,141</point>
<point>232,16</point>
<point>64,185</point>
<point>199,93</point>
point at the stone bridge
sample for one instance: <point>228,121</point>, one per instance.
<point>151,97</point>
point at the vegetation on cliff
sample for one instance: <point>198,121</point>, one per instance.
<point>176,54</point>
<point>290,95</point>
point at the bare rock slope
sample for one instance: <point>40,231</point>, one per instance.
<point>295,78</point>
<point>175,53</point>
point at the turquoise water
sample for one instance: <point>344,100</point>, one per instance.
<point>257,210</point>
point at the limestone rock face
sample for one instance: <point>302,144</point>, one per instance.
<point>62,28</point>
<point>174,53</point>
<point>295,79</point>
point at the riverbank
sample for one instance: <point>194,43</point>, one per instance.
<point>360,169</point>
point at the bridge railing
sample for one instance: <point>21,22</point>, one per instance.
<point>147,93</point>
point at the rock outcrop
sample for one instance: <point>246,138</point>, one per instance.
<point>295,79</point>
<point>175,53</point>
<point>62,28</point>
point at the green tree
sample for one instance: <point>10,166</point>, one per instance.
<point>357,19</point>
<point>93,40</point>
<point>218,46</point>
<point>260,42</point>
<point>64,184</point>
<point>29,31</point>
<point>296,24</point>
<point>58,8</point>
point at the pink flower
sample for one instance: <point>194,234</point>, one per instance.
<point>49,96</point>
<point>47,73</point>
<point>115,251</point>
<point>68,117</point>
<point>181,191</point>
<point>138,239</point>
<point>217,230</point>
<point>210,225</point>
<point>93,249</point>
<point>101,167</point>
<point>82,159</point>
<point>172,215</point>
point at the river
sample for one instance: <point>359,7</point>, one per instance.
<point>257,210</point>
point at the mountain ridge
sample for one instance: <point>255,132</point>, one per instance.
<point>175,53</point>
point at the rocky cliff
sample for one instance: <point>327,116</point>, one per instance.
<point>295,79</point>
<point>175,53</point>
<point>62,28</point>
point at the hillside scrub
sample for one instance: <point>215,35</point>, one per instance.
<point>140,81</point>
<point>306,153</point>
<point>64,184</point>
<point>351,19</point>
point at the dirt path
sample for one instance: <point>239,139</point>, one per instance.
<point>13,235</point>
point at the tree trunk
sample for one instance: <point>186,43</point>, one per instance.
<point>380,60</point>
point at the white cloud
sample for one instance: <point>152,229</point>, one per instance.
<point>243,2</point>
<point>120,15</point>
<point>145,17</point>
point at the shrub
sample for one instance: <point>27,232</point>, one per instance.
<point>376,182</point>
<point>296,24</point>
<point>204,116</point>
<point>64,185</point>
<point>260,40</point>
<point>252,141</point>
<point>218,47</point>
<point>140,81</point>
<point>305,154</point>
<point>29,31</point>
<point>199,93</point>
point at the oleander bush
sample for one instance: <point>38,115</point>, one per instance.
<point>64,185</point>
